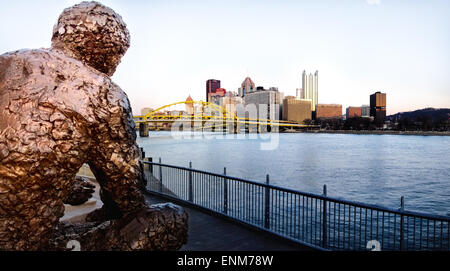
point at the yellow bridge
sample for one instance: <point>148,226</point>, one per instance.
<point>208,116</point>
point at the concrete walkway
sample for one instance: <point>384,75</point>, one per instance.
<point>211,233</point>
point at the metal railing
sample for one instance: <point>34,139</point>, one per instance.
<point>318,221</point>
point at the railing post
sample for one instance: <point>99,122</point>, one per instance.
<point>267,205</point>
<point>324,222</point>
<point>191,196</point>
<point>225,192</point>
<point>402,208</point>
<point>160,175</point>
<point>150,166</point>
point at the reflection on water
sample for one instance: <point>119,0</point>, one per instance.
<point>376,169</point>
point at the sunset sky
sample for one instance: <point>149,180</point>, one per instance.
<point>401,47</point>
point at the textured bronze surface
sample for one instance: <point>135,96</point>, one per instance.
<point>158,227</point>
<point>58,110</point>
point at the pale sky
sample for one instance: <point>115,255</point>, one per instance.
<point>401,47</point>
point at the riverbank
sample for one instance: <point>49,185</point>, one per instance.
<point>378,132</point>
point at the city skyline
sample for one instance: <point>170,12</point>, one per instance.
<point>359,47</point>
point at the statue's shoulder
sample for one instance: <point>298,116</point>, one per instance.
<point>41,60</point>
<point>26,53</point>
<point>15,65</point>
<point>17,72</point>
<point>41,64</point>
<point>11,60</point>
<point>49,77</point>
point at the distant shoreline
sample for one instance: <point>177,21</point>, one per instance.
<point>377,132</point>
<point>352,132</point>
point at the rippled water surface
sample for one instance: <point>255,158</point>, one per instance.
<point>376,169</point>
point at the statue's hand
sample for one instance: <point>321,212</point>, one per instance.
<point>82,191</point>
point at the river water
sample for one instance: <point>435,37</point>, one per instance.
<point>376,169</point>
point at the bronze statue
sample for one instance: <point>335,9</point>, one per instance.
<point>58,110</point>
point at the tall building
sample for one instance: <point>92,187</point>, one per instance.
<point>378,107</point>
<point>247,86</point>
<point>328,111</point>
<point>211,86</point>
<point>296,109</point>
<point>310,88</point>
<point>271,98</point>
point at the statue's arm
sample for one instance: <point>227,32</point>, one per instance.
<point>115,157</point>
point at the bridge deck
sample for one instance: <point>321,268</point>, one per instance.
<point>211,233</point>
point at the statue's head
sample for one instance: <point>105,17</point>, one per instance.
<point>93,34</point>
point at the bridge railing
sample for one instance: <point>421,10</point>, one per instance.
<point>318,221</point>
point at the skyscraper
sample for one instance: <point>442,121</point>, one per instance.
<point>211,86</point>
<point>378,107</point>
<point>247,86</point>
<point>271,98</point>
<point>310,86</point>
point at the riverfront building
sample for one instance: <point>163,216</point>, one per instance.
<point>328,111</point>
<point>267,102</point>
<point>310,88</point>
<point>296,109</point>
<point>378,107</point>
<point>352,112</point>
<point>211,87</point>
